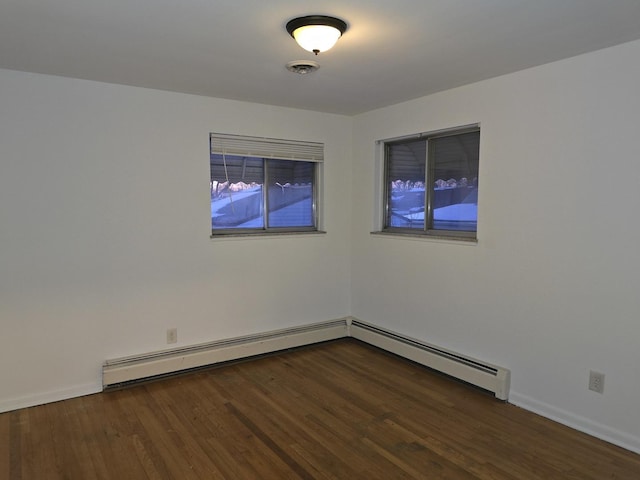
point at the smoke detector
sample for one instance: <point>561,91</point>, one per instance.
<point>302,67</point>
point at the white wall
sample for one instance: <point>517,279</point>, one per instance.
<point>551,290</point>
<point>104,234</point>
<point>105,224</point>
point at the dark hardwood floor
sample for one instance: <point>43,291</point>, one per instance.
<point>338,410</point>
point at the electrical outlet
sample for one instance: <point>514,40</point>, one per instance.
<point>172,335</point>
<point>596,381</point>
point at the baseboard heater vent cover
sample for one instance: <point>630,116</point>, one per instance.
<point>131,369</point>
<point>476,372</point>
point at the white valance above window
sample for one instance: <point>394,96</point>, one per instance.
<point>260,147</point>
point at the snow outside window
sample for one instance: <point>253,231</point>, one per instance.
<point>431,184</point>
<point>261,185</point>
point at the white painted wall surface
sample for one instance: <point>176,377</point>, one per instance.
<point>104,234</point>
<point>105,224</point>
<point>551,290</point>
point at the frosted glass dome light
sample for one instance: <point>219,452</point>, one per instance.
<point>316,33</point>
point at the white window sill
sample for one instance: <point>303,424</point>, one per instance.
<point>236,236</point>
<point>429,238</point>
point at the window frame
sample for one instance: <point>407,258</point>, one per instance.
<point>427,231</point>
<point>266,150</point>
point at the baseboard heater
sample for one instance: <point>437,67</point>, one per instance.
<point>126,370</point>
<point>481,374</point>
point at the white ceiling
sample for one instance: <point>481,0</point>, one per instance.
<point>238,49</point>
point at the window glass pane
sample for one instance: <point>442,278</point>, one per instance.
<point>290,193</point>
<point>406,191</point>
<point>455,187</point>
<point>236,192</point>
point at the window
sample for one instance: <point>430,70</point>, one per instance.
<point>431,183</point>
<point>263,185</point>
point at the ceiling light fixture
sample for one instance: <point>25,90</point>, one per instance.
<point>316,33</point>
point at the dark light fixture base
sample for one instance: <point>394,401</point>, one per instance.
<point>292,25</point>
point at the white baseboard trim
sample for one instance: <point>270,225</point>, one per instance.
<point>49,397</point>
<point>577,422</point>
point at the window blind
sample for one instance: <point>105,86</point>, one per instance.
<point>261,147</point>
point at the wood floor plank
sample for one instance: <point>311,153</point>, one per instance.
<point>328,412</point>
<point>5,456</point>
<point>309,421</point>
